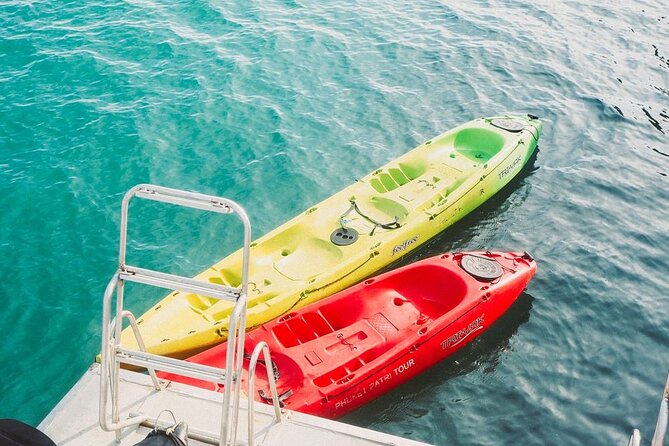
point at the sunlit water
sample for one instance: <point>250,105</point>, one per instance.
<point>279,104</point>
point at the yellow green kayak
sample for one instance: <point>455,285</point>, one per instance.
<point>347,237</point>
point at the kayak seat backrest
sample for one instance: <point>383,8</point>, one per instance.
<point>444,190</point>
<point>228,277</point>
<point>386,180</point>
<point>300,330</point>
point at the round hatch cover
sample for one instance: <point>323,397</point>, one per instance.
<point>481,268</point>
<point>508,125</point>
<point>344,236</point>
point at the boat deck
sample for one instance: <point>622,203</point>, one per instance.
<point>74,421</point>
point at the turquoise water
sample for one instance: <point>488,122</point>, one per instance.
<point>278,104</point>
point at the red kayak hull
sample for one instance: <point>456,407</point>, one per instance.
<point>341,352</point>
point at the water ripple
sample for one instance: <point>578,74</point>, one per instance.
<point>278,104</point>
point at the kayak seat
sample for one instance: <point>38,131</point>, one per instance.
<point>458,150</point>
<point>420,291</point>
<point>382,210</point>
<point>478,144</point>
<point>307,257</point>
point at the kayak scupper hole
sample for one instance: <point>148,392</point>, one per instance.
<point>369,282</point>
<point>285,252</point>
<point>344,235</point>
<point>422,331</point>
<point>345,379</point>
<point>288,316</point>
<point>399,301</point>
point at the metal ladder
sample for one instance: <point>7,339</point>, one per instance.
<point>113,354</point>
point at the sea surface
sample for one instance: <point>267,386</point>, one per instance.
<point>278,104</point>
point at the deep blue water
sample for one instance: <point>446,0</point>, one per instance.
<point>277,105</point>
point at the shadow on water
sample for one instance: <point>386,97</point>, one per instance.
<point>482,354</point>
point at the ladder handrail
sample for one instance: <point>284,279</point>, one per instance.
<point>660,434</point>
<point>635,438</point>
<point>113,354</point>
<point>662,418</point>
<point>264,348</point>
<point>106,370</point>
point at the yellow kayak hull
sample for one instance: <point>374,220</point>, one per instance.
<point>398,207</point>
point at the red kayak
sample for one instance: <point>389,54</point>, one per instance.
<point>341,352</point>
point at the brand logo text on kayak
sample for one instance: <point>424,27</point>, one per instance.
<point>350,398</point>
<point>405,244</point>
<point>461,335</point>
<point>509,168</point>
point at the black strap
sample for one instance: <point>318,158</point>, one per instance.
<point>354,207</point>
<point>285,395</point>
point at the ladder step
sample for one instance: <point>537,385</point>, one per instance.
<point>179,283</point>
<point>186,199</point>
<point>176,366</point>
